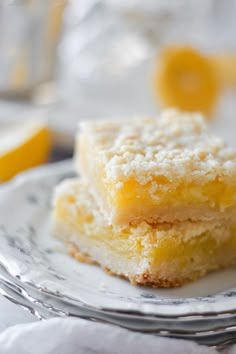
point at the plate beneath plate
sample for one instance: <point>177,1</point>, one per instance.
<point>46,306</point>
<point>198,325</point>
<point>30,253</point>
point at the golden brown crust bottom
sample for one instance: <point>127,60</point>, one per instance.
<point>75,252</point>
<point>153,281</point>
<point>145,279</point>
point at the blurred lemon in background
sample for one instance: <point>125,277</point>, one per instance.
<point>23,145</point>
<point>186,79</point>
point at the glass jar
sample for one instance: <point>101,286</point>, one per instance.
<point>29,32</point>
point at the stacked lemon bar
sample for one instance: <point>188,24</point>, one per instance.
<point>155,201</point>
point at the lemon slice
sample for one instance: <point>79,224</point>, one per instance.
<point>22,145</point>
<point>186,79</point>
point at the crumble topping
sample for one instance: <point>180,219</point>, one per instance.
<point>175,145</point>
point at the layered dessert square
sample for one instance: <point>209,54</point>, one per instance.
<point>157,170</point>
<point>158,255</point>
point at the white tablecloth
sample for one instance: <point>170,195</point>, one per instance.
<point>69,336</point>
<point>22,333</point>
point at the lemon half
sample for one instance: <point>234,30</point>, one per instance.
<point>23,145</point>
<point>186,79</point>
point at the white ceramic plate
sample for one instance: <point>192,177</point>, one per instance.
<point>51,306</point>
<point>216,339</point>
<point>29,252</point>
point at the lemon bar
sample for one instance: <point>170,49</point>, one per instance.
<point>157,169</point>
<point>158,255</point>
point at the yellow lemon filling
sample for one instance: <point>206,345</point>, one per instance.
<point>131,201</point>
<point>212,194</point>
